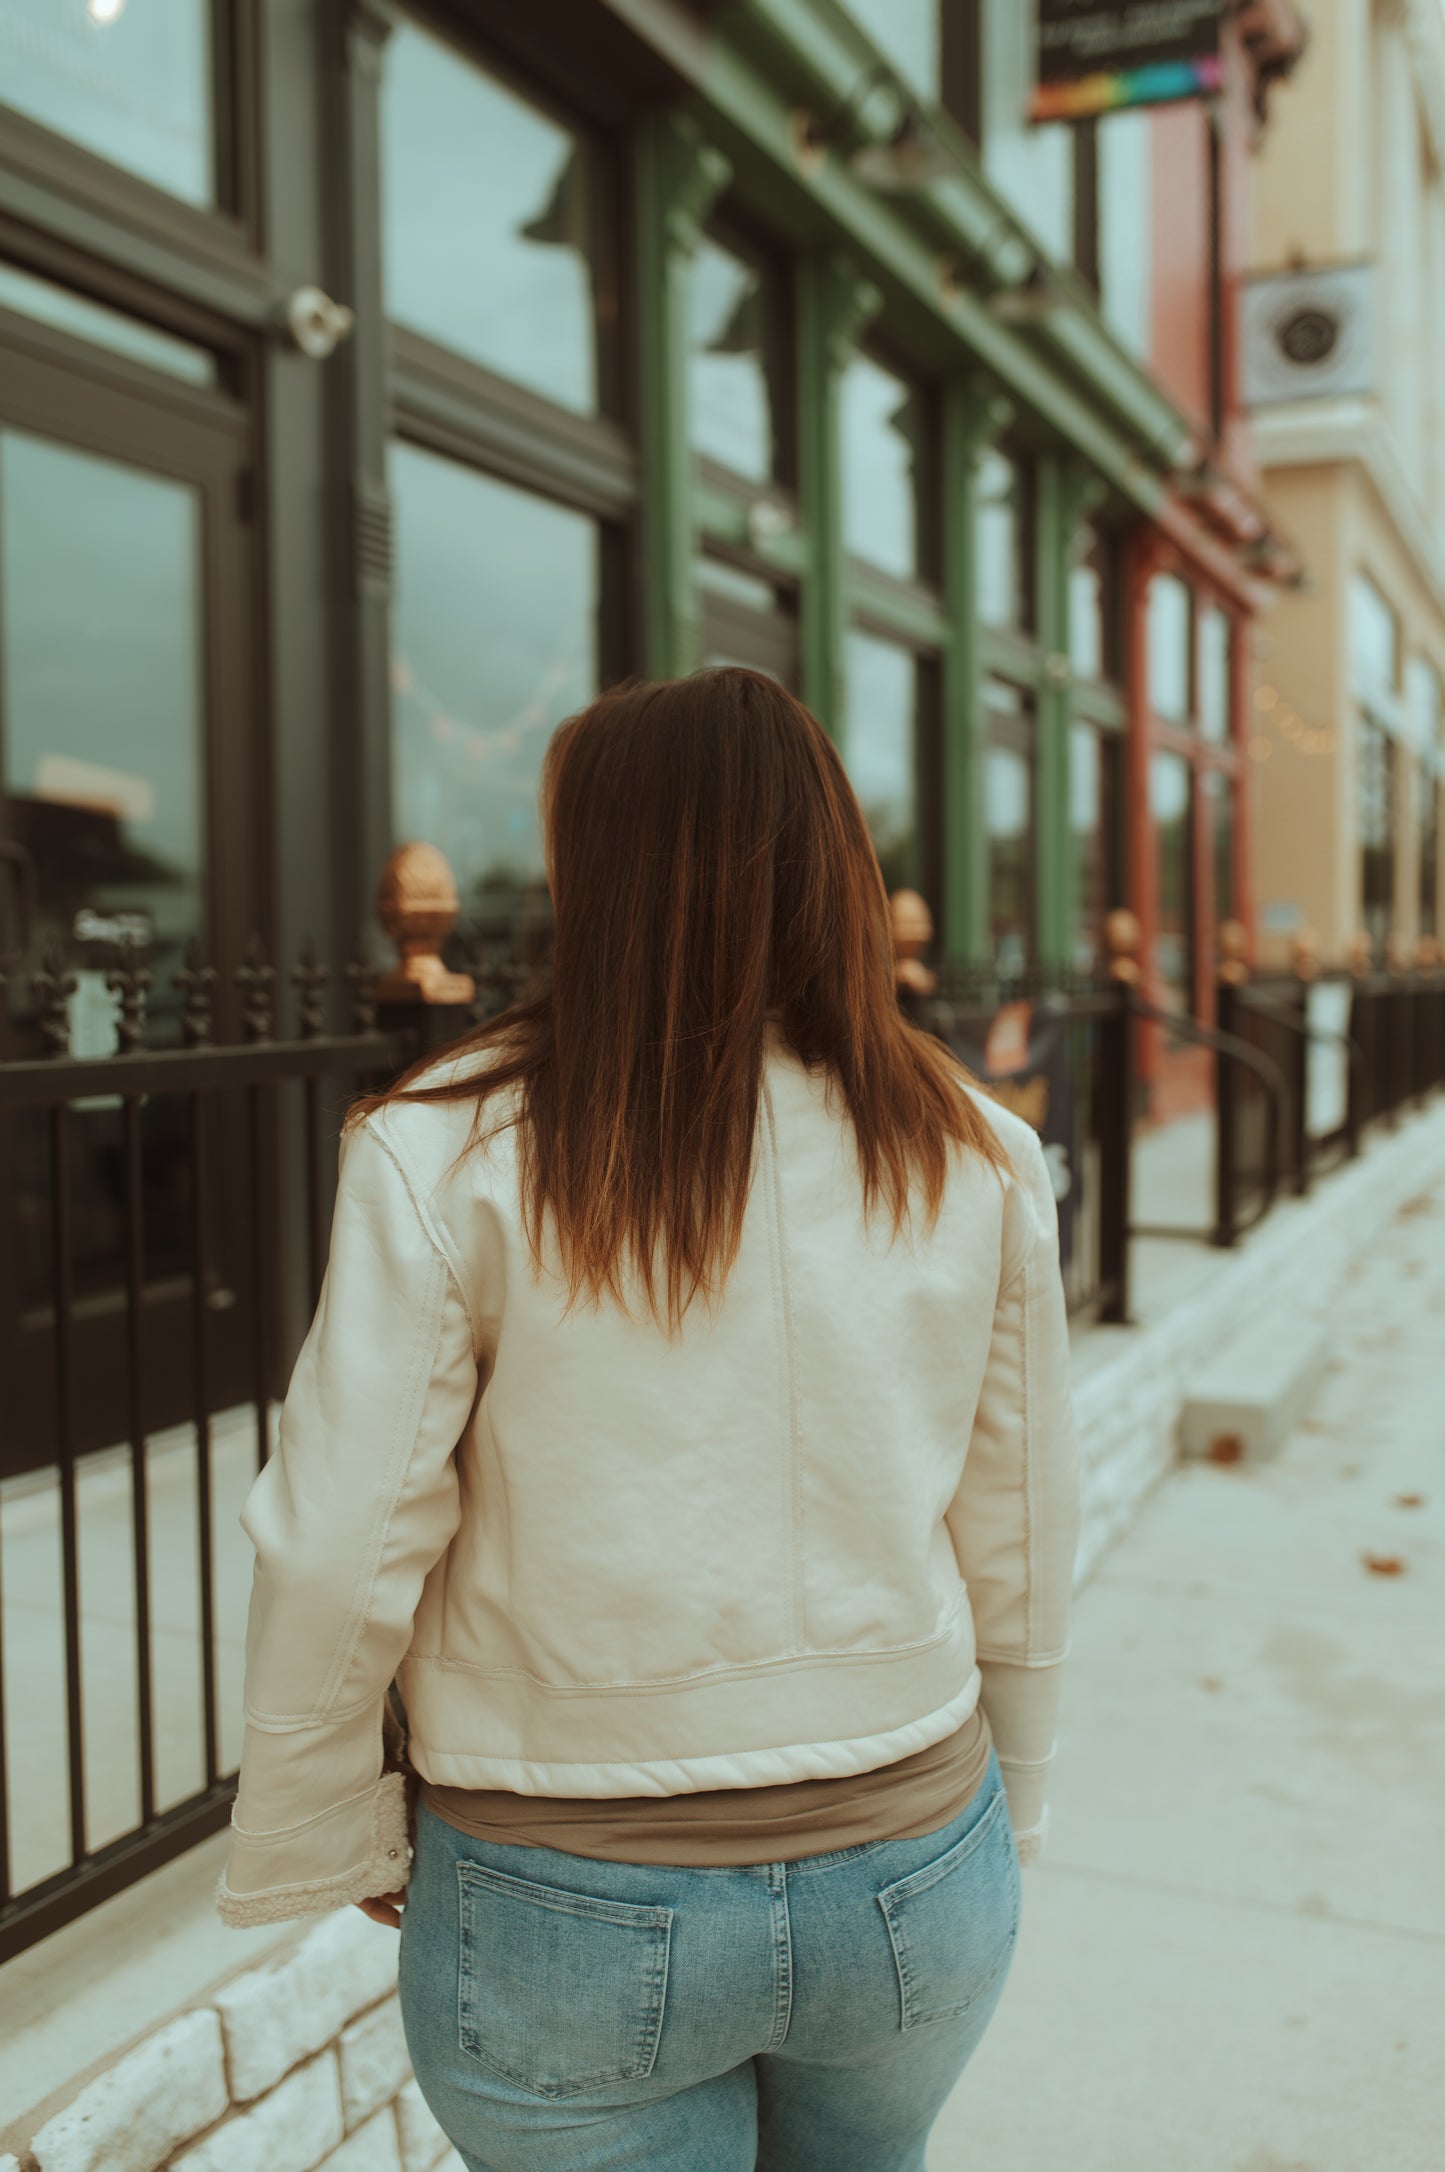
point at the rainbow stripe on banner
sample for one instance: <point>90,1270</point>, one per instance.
<point>1162,83</point>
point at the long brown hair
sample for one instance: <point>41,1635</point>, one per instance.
<point>709,864</point>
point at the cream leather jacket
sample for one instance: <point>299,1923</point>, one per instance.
<point>801,1539</point>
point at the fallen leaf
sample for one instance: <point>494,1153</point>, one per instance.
<point>1313,1425</point>
<point>1226,1448</point>
<point>1409,1500</point>
<point>1207,1681</point>
<point>1383,1564</point>
<point>1420,1204</point>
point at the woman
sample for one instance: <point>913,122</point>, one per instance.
<point>686,1422</point>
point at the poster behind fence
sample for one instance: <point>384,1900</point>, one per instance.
<point>1094,58</point>
<point>1022,1056</point>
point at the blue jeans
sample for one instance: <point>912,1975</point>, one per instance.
<point>566,2015</point>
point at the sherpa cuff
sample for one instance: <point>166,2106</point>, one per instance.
<point>383,1866</point>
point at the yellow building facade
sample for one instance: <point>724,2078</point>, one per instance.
<point>1345,337</point>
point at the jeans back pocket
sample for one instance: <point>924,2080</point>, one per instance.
<point>953,1924</point>
<point>559,1991</point>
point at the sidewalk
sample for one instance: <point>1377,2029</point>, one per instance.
<point>1232,1958</point>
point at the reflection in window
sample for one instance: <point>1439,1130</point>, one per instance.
<point>49,304</point>
<point>1377,829</point>
<point>1003,581</point>
<point>102,703</point>
<point>1214,634</point>
<point>1374,645</point>
<point>747,620</point>
<point>883,444</point>
<point>1008,793</point>
<point>880,748</point>
<point>908,32</point>
<point>130,83</point>
<point>1219,794</point>
<point>1169,803</point>
<point>729,346</point>
<point>1091,607</point>
<point>488,206</point>
<point>495,641</point>
<point>1169,625</point>
<point>1427,813</point>
<point>1092,803</point>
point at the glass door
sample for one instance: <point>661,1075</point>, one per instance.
<point>128,815</point>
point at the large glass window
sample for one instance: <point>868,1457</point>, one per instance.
<point>1377,829</point>
<point>1169,626</point>
<point>1427,816</point>
<point>908,32</point>
<point>84,319</point>
<point>489,207</point>
<point>1169,804</point>
<point>1093,606</point>
<point>733,337</point>
<point>1374,646</point>
<point>494,642</point>
<point>103,707</point>
<point>883,427</point>
<point>1093,767</point>
<point>1219,795</point>
<point>1008,807</point>
<point>880,747</point>
<point>1214,653</point>
<point>1004,587</point>
<point>131,83</point>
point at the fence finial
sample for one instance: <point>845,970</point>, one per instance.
<point>1233,952</point>
<point>1304,954</point>
<point>416,903</point>
<point>1124,939</point>
<point>1360,956</point>
<point>1427,955</point>
<point>912,933</point>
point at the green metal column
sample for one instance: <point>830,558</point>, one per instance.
<point>974,413</point>
<point>679,177</point>
<point>834,305</point>
<point>1052,539</point>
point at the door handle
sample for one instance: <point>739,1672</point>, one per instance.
<point>17,858</point>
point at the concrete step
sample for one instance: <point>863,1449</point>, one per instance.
<point>1243,1402</point>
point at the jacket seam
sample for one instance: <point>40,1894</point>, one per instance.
<point>436,1237</point>
<point>439,1662</point>
<point>790,1382</point>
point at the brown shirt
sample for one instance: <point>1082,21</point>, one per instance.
<point>730,1826</point>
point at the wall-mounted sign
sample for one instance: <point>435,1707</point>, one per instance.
<point>1308,335</point>
<point>1096,59</point>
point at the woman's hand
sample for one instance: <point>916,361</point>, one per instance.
<point>384,1908</point>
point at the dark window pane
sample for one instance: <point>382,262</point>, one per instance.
<point>488,206</point>
<point>1093,811</point>
<point>883,426</point>
<point>1004,588</point>
<point>1008,796</point>
<point>880,747</point>
<point>729,345</point>
<point>1214,657</point>
<point>1427,790</point>
<point>1169,805</point>
<point>131,83</point>
<point>1169,632</point>
<point>1219,793</point>
<point>747,620</point>
<point>103,712</point>
<point>1377,829</point>
<point>49,304</point>
<point>495,640</point>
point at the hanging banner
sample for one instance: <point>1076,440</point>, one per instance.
<point>1095,59</point>
<point>1022,1057</point>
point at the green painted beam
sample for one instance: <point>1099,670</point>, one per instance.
<point>972,415</point>
<point>834,305</point>
<point>1052,885</point>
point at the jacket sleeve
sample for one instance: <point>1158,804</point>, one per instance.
<point>358,1503</point>
<point>1015,1516</point>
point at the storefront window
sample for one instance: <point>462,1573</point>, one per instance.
<point>1092,802</point>
<point>1004,587</point>
<point>489,207</point>
<point>1214,646</point>
<point>495,641</point>
<point>883,443</point>
<point>1219,795</point>
<point>1169,804</point>
<point>1377,829</point>
<point>731,343</point>
<point>1169,638</point>
<point>880,747</point>
<point>73,313</point>
<point>748,620</point>
<point>1427,791</point>
<point>133,84</point>
<point>1008,804</point>
<point>1374,646</point>
<point>1092,606</point>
